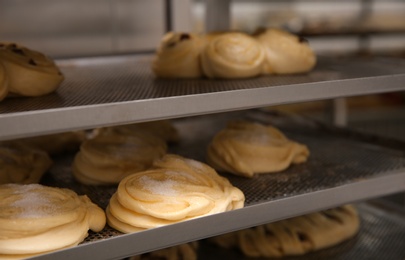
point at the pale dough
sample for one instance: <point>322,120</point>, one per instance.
<point>22,164</point>
<point>29,73</point>
<point>109,157</point>
<point>232,55</point>
<point>285,52</point>
<point>173,190</point>
<point>295,236</point>
<point>178,56</point>
<point>3,82</point>
<point>186,251</point>
<point>246,148</point>
<point>37,219</point>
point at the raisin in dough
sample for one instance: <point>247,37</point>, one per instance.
<point>186,251</point>
<point>3,82</point>
<point>30,73</point>
<point>232,55</point>
<point>244,148</point>
<point>295,236</point>
<point>38,219</point>
<point>22,164</point>
<point>285,53</point>
<point>109,157</point>
<point>173,190</point>
<point>178,56</point>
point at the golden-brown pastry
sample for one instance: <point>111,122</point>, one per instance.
<point>245,148</point>
<point>56,143</point>
<point>30,73</point>
<point>178,56</point>
<point>295,236</point>
<point>3,82</point>
<point>37,219</point>
<point>161,128</point>
<point>186,251</point>
<point>232,55</point>
<point>173,190</point>
<point>285,52</point>
<point>109,157</point>
<point>22,164</point>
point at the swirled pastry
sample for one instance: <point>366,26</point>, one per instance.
<point>178,56</point>
<point>22,164</point>
<point>244,148</point>
<point>285,53</point>
<point>56,143</point>
<point>232,55</point>
<point>295,236</point>
<point>186,251</point>
<point>3,82</point>
<point>173,190</point>
<point>30,73</point>
<point>37,219</point>
<point>109,157</point>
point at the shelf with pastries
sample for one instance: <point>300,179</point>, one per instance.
<point>358,170</point>
<point>116,90</point>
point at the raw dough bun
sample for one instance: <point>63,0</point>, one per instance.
<point>36,219</point>
<point>30,73</point>
<point>295,236</point>
<point>161,128</point>
<point>232,55</point>
<point>22,164</point>
<point>3,82</point>
<point>245,148</point>
<point>285,53</point>
<point>174,190</point>
<point>109,157</point>
<point>186,251</point>
<point>56,143</point>
<point>178,56</point>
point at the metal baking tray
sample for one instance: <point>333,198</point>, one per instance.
<point>381,236</point>
<point>120,90</point>
<point>341,169</point>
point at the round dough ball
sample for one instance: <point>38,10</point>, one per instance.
<point>30,73</point>
<point>37,219</point>
<point>109,157</point>
<point>22,164</point>
<point>3,82</point>
<point>174,190</point>
<point>178,56</point>
<point>232,55</point>
<point>245,148</point>
<point>285,53</point>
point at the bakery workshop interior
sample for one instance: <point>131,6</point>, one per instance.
<point>202,129</point>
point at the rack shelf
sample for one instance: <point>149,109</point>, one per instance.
<point>356,171</point>
<point>120,90</point>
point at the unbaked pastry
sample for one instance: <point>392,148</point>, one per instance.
<point>285,52</point>
<point>109,157</point>
<point>246,148</point>
<point>56,143</point>
<point>3,82</point>
<point>162,128</point>
<point>37,219</point>
<point>173,190</point>
<point>22,164</point>
<point>178,56</point>
<point>186,251</point>
<point>295,236</point>
<point>232,55</point>
<point>30,73</point>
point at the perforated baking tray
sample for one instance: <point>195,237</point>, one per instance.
<point>119,90</point>
<point>341,169</point>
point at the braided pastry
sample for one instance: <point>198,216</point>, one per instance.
<point>186,251</point>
